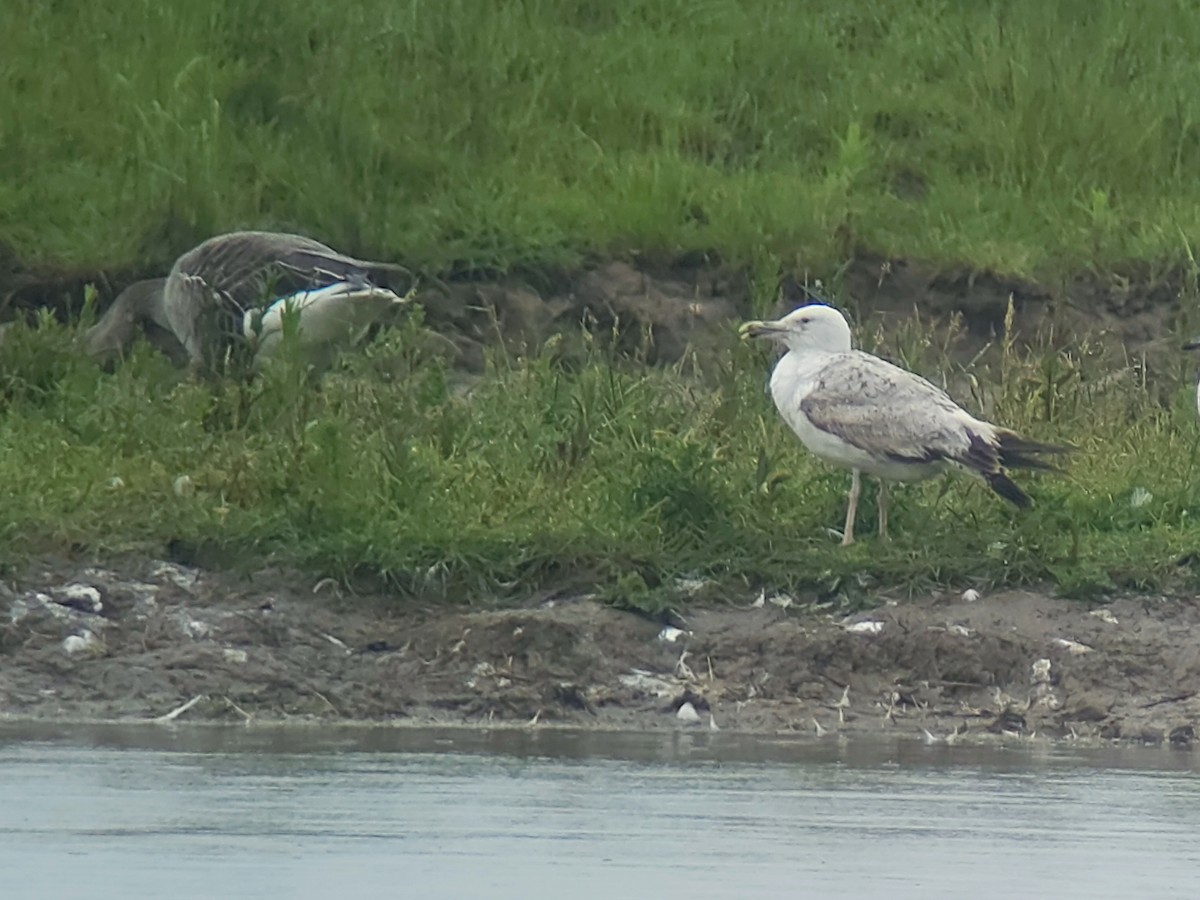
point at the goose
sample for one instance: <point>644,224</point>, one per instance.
<point>862,413</point>
<point>235,290</point>
<point>139,306</point>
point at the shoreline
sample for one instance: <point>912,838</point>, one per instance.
<point>153,644</point>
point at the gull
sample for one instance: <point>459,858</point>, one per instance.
<point>862,413</point>
<point>237,290</point>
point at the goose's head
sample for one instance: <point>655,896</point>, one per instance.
<point>814,327</point>
<point>138,307</point>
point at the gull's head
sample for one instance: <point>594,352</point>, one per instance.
<point>815,327</point>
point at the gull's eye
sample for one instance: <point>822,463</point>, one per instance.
<point>805,321</point>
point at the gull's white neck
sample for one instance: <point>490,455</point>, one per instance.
<point>796,372</point>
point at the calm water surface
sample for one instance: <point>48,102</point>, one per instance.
<point>214,813</point>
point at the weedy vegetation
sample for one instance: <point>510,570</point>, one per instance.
<point>458,136</point>
<point>572,466</point>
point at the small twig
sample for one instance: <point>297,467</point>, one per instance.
<point>179,710</point>
<point>241,712</point>
<point>326,700</point>
<point>1174,698</point>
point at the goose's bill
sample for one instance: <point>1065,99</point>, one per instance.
<point>757,329</point>
<point>1193,344</point>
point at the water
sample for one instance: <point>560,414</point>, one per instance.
<point>214,813</point>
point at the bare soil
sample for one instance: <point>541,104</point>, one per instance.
<point>659,310</point>
<point>147,640</point>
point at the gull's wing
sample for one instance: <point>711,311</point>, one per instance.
<point>896,416</point>
<point>888,412</point>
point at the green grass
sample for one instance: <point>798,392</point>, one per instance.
<point>570,467</point>
<point>1035,138</point>
<point>1028,136</point>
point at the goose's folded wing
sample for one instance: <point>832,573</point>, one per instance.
<point>247,269</point>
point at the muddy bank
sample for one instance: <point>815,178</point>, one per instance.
<point>657,310</point>
<point>149,640</point>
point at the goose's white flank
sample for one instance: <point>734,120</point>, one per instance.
<point>862,413</point>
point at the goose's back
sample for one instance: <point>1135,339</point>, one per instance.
<point>212,286</point>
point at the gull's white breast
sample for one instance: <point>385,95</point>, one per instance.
<point>795,377</point>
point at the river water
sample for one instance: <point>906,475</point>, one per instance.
<point>124,812</point>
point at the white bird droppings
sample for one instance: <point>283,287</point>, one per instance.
<point>83,597</point>
<point>84,642</point>
<point>867,627</point>
<point>196,629</point>
<point>1073,647</point>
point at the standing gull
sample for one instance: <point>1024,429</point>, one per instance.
<point>862,413</point>
<point>235,290</point>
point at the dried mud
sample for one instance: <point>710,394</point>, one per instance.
<point>154,641</point>
<point>659,310</point>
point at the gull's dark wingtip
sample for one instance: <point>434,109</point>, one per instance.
<point>1008,489</point>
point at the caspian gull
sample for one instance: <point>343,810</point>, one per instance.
<point>862,413</point>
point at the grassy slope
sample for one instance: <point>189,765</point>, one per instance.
<point>1045,135</point>
<point>1029,136</point>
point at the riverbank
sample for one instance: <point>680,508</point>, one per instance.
<point>151,641</point>
<point>613,431</point>
<point>591,201</point>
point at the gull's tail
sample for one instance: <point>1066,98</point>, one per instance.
<point>1007,449</point>
<point>1016,452</point>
